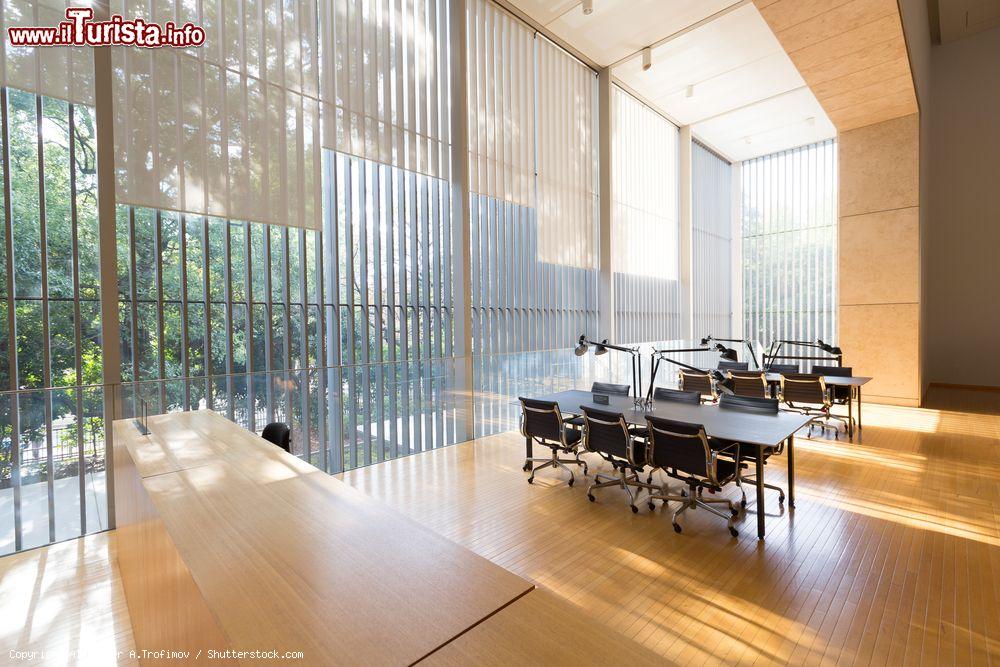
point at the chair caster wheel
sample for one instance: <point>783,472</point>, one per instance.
<point>651,506</point>
<point>734,532</point>
<point>590,497</point>
<point>635,510</point>
<point>743,503</point>
<point>571,480</point>
<point>734,512</point>
<point>781,500</point>
<point>531,480</point>
<point>526,467</point>
<point>677,528</point>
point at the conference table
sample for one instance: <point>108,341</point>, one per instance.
<point>854,383</point>
<point>753,429</point>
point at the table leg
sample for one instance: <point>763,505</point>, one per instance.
<point>850,417</point>
<point>859,414</point>
<point>760,492</point>
<point>528,453</point>
<point>791,471</point>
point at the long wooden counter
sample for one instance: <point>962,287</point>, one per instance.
<point>227,542</point>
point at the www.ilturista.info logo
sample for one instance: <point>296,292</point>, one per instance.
<point>79,29</point>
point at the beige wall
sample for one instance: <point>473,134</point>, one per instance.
<point>879,257</point>
<point>962,270</point>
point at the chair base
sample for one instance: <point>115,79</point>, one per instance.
<point>624,480</point>
<point>753,480</point>
<point>555,462</point>
<point>693,501</point>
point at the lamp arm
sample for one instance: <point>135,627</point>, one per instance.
<point>753,355</point>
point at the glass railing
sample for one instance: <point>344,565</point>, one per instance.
<point>53,447</point>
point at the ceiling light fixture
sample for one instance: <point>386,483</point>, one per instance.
<point>647,58</point>
<point>690,91</point>
<point>588,7</point>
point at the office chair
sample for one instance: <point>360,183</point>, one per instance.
<point>734,366</point>
<point>607,434</point>
<point>279,434</point>
<point>749,383</point>
<point>701,383</point>
<point>543,423</point>
<point>602,388</point>
<point>806,393</point>
<point>683,451</point>
<point>783,369</point>
<point>748,454</point>
<point>664,394</point>
<point>840,395</point>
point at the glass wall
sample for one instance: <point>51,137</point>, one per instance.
<point>789,230</point>
<point>645,232</point>
<point>711,243</point>
<point>52,467</point>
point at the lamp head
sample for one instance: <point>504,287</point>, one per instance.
<point>581,346</point>
<point>704,341</point>
<point>723,382</point>
<point>727,353</point>
<point>600,349</point>
<point>826,347</point>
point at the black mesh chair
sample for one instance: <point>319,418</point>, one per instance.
<point>701,383</point>
<point>279,434</point>
<point>783,369</point>
<point>543,423</point>
<point>607,434</point>
<point>664,394</point>
<point>749,383</point>
<point>839,395</point>
<point>734,366</point>
<point>607,388</point>
<point>806,393</point>
<point>683,451</point>
<point>748,453</point>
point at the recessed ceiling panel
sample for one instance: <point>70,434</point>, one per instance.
<point>617,28</point>
<point>786,121</point>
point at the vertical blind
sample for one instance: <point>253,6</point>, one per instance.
<point>645,231</point>
<point>65,73</point>
<point>789,221</point>
<point>231,128</point>
<point>532,168</point>
<point>711,242</point>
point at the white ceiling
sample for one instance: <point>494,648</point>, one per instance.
<point>744,84</point>
<point>960,18</point>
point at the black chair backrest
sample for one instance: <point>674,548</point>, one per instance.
<point>699,382</point>
<point>541,419</point>
<point>803,388</point>
<point>279,434</point>
<point>783,369</point>
<point>678,445</point>
<point>749,383</point>
<point>734,365</point>
<point>839,393</point>
<point>606,433</point>
<point>610,389</point>
<point>749,404</point>
<point>664,394</point>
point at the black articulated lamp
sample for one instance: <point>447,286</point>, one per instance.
<point>753,355</point>
<point>661,355</point>
<point>832,350</point>
<point>602,347</point>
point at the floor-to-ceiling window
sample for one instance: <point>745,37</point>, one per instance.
<point>645,231</point>
<point>789,236</point>
<point>711,243</point>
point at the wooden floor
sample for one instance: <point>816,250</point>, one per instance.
<point>64,604</point>
<point>891,557</point>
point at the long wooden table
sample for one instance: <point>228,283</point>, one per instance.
<point>747,428</point>
<point>228,543</point>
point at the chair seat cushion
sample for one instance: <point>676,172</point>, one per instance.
<point>573,436</point>
<point>638,431</point>
<point>574,421</point>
